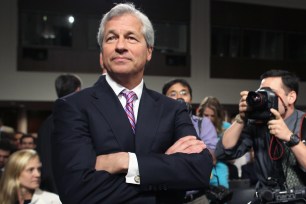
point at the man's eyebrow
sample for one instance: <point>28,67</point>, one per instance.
<point>110,32</point>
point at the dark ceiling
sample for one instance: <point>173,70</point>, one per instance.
<point>170,10</point>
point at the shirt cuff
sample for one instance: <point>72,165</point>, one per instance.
<point>133,171</point>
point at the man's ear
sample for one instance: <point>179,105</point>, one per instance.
<point>101,60</point>
<point>292,97</point>
<point>149,53</point>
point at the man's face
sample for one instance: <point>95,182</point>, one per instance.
<point>276,84</point>
<point>4,155</point>
<point>124,49</point>
<point>16,139</point>
<point>179,91</point>
<point>27,143</point>
<point>30,176</point>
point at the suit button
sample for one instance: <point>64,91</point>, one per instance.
<point>137,179</point>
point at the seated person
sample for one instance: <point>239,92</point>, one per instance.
<point>27,141</point>
<point>21,179</point>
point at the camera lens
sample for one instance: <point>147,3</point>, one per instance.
<point>259,104</point>
<point>255,99</point>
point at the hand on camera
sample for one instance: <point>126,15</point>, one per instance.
<point>278,127</point>
<point>243,104</point>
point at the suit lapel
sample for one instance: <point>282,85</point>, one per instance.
<point>108,104</point>
<point>149,114</point>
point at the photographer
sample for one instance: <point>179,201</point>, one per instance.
<point>279,149</point>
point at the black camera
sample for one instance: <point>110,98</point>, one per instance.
<point>259,104</point>
<point>294,195</point>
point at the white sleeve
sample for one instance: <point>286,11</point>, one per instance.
<point>132,175</point>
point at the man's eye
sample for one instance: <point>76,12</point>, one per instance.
<point>110,38</point>
<point>183,93</point>
<point>131,39</point>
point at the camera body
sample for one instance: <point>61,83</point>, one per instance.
<point>269,196</point>
<point>259,104</point>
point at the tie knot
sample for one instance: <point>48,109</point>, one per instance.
<point>129,96</point>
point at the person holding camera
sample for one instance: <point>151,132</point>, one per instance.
<point>269,122</point>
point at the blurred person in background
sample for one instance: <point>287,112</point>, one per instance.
<point>21,179</point>
<point>65,84</point>
<point>16,139</point>
<point>27,141</point>
<point>6,149</point>
<point>211,108</point>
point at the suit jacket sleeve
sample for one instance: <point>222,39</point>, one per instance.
<point>177,171</point>
<point>74,160</point>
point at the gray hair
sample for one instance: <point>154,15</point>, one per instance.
<point>127,8</point>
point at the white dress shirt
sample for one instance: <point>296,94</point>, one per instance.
<point>132,175</point>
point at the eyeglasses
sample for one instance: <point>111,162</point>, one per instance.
<point>174,94</point>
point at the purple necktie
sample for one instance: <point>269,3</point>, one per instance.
<point>130,97</point>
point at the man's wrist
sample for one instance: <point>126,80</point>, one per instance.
<point>239,119</point>
<point>293,141</point>
<point>133,176</point>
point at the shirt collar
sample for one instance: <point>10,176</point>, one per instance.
<point>117,88</point>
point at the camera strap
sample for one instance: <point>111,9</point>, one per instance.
<point>276,152</point>
<point>200,125</point>
<point>285,107</point>
<point>276,148</point>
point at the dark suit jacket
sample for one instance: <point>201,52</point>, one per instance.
<point>44,151</point>
<point>93,122</point>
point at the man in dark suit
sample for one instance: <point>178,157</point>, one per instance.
<point>100,155</point>
<point>64,84</point>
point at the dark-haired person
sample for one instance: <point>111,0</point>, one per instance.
<point>181,89</point>
<point>6,149</point>
<point>65,84</point>
<point>27,141</point>
<point>279,147</point>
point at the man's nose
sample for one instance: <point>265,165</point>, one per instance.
<point>121,45</point>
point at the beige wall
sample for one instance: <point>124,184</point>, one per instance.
<point>39,86</point>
